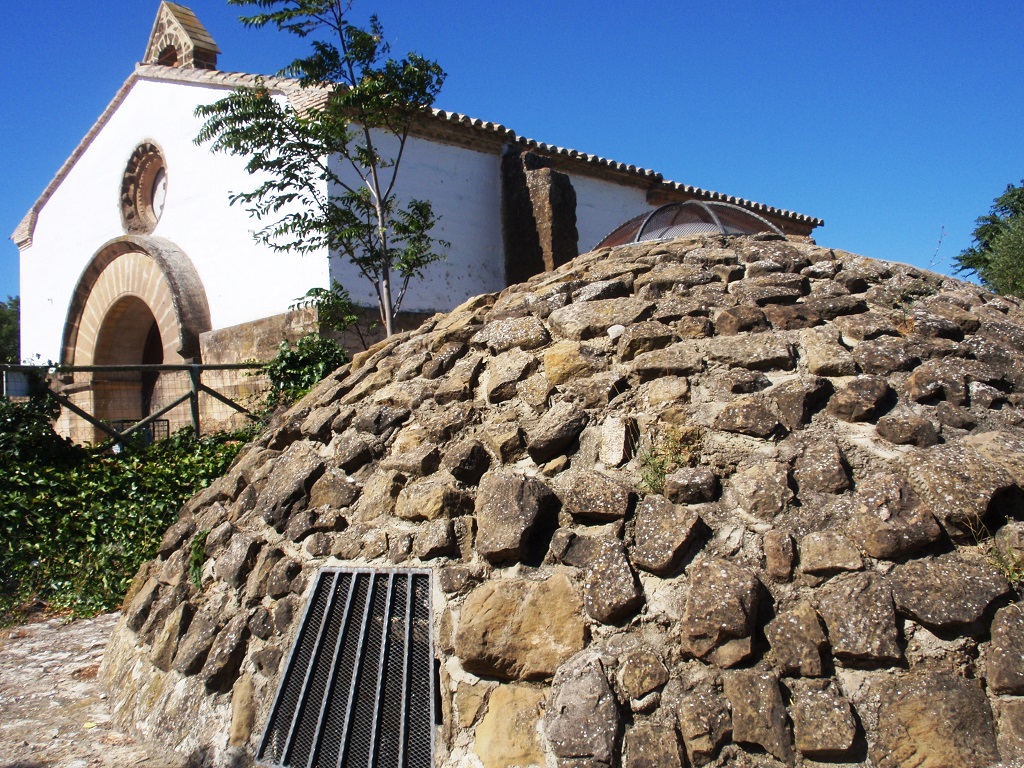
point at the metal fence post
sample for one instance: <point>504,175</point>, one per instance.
<point>194,384</point>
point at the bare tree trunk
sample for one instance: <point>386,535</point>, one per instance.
<point>389,319</point>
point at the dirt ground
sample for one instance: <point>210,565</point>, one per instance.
<point>52,711</point>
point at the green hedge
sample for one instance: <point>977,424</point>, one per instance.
<point>76,525</point>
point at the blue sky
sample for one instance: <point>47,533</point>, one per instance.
<point>897,123</point>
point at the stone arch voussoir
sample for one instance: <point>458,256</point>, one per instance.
<point>152,269</point>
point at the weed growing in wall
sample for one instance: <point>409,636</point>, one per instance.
<point>671,448</point>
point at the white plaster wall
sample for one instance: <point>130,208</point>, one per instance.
<point>601,206</point>
<point>464,187</point>
<point>243,281</point>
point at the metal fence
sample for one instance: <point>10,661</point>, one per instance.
<point>115,402</point>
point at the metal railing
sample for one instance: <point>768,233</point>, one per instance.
<point>118,401</point>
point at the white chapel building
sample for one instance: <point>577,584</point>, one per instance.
<point>133,254</point>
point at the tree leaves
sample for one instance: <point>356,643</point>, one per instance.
<point>997,256</point>
<point>325,182</point>
<point>297,368</point>
<point>10,324</point>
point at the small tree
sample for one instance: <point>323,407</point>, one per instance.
<point>997,256</point>
<point>361,107</point>
<point>10,328</point>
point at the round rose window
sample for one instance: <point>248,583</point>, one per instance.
<point>143,190</point>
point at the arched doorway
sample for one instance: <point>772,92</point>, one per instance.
<point>139,301</point>
<point>129,335</point>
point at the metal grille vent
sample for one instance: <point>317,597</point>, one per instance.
<point>358,689</point>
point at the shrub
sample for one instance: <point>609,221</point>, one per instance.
<point>75,526</point>
<point>671,448</point>
<point>297,368</point>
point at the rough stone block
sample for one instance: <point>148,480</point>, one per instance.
<point>611,590</point>
<point>823,724</point>
<point>797,641</point>
<point>520,630</point>
<point>650,745</point>
<point>933,719</point>
<point>827,552</point>
<point>761,490</point>
<point>705,722</point>
<point>233,564</point>
<point>758,713</point>
<point>779,554</point>
<point>946,591</point>
<point>466,461</point>
<point>289,484</point>
<point>195,645</point>
<point>507,734</point>
<point>582,720</point>
<point>742,319</point>
<point>225,655</point>
<point>511,509</point>
<point>641,672</point>
<point>748,416</point>
<point>555,431</point>
<point>436,497</point>
<point>863,399</point>
<point>593,495</point>
<point>522,332</point>
<point>888,518</point>
<point>720,612</point>
<point>858,611</point>
<point>589,319</point>
<point>692,485</point>
<point>663,533</point>
<point>166,643</point>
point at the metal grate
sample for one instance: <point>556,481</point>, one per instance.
<point>358,690</point>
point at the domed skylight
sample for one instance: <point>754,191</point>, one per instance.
<point>693,217</point>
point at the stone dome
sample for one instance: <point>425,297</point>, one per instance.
<point>738,501</point>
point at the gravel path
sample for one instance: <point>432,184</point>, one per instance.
<point>52,710</point>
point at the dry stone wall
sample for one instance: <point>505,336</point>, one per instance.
<point>727,501</point>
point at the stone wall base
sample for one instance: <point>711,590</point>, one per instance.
<point>174,712</point>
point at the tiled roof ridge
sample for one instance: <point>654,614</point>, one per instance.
<point>290,86</point>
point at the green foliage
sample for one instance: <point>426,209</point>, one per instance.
<point>26,431</point>
<point>997,256</point>
<point>1003,556</point>
<point>672,448</point>
<point>297,368</point>
<point>197,558</point>
<point>326,180</point>
<point>75,526</point>
<point>334,307</point>
<point>10,325</point>
<point>335,310</point>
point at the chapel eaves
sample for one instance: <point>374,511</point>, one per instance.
<point>442,125</point>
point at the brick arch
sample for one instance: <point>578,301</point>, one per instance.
<point>148,269</point>
<point>170,54</point>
